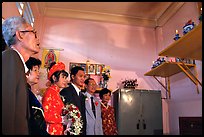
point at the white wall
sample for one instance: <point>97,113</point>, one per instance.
<point>128,50</point>
<point>184,98</point>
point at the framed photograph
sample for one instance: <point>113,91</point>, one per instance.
<point>99,68</point>
<point>73,64</point>
<point>91,68</point>
<point>83,65</point>
<point>48,56</point>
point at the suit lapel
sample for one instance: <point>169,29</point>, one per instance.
<point>76,98</point>
<point>97,106</point>
<point>88,108</point>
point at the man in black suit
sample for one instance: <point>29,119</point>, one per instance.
<point>72,94</point>
<point>22,42</point>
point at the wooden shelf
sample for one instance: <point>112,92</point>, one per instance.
<point>188,46</point>
<point>167,69</point>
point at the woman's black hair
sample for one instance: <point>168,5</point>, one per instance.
<point>104,91</point>
<point>31,62</point>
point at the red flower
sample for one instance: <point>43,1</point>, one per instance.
<point>73,119</point>
<point>96,103</point>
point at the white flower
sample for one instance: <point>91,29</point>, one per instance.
<point>62,97</point>
<point>75,123</point>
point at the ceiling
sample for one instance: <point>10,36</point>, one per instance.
<point>147,14</point>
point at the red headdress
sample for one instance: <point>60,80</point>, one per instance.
<point>57,67</point>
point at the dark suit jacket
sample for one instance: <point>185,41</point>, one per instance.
<point>70,95</point>
<point>37,123</point>
<point>15,105</point>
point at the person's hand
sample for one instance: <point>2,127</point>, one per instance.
<point>66,131</point>
<point>64,120</point>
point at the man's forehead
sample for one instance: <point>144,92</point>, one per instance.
<point>28,26</point>
<point>92,81</point>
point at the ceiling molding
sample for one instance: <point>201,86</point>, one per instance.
<point>173,8</point>
<point>41,7</point>
<point>111,18</point>
<point>96,16</point>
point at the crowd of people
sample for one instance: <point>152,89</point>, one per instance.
<point>24,114</point>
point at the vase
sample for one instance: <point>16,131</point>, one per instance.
<point>105,84</point>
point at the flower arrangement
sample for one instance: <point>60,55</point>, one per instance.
<point>106,73</point>
<point>131,83</point>
<point>75,123</point>
<point>105,77</point>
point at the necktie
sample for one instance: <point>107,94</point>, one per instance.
<point>93,106</point>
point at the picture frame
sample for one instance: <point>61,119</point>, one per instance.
<point>83,65</point>
<point>95,69</point>
<point>99,68</point>
<point>73,64</point>
<point>49,56</point>
<point>91,68</point>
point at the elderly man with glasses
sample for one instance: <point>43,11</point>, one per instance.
<point>93,109</point>
<point>23,43</point>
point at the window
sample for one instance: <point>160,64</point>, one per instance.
<point>25,11</point>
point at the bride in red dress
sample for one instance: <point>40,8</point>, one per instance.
<point>52,102</point>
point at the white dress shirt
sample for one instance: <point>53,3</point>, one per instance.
<point>76,88</point>
<point>26,69</point>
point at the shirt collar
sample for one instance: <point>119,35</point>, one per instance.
<point>88,95</point>
<point>76,88</point>
<point>26,69</point>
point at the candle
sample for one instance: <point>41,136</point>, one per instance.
<point>177,35</point>
<point>200,18</point>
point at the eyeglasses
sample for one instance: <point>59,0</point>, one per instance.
<point>93,85</point>
<point>34,32</point>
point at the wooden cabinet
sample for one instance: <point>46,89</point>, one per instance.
<point>188,46</point>
<point>190,125</point>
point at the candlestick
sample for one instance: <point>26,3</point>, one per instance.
<point>200,18</point>
<point>177,35</point>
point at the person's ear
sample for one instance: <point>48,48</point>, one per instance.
<point>19,35</point>
<point>54,78</point>
<point>72,77</point>
<point>27,74</point>
<point>86,86</point>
